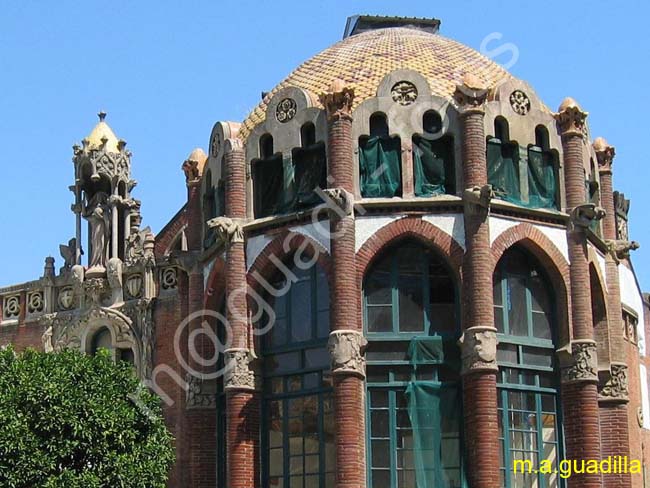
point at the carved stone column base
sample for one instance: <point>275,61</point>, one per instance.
<point>478,347</point>
<point>613,384</point>
<point>347,349</point>
<point>239,374</point>
<point>579,362</point>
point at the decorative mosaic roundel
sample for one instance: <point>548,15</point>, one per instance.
<point>404,92</point>
<point>286,110</point>
<point>520,102</point>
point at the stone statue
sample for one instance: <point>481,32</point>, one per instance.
<point>69,254</point>
<point>98,214</point>
<point>114,275</point>
<point>46,340</point>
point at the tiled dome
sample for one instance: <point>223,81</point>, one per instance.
<point>363,60</point>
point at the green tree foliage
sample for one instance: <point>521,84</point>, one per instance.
<point>71,420</point>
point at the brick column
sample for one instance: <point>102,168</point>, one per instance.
<point>578,358</point>
<point>242,399</point>
<point>479,371</point>
<point>613,392</point>
<point>348,370</point>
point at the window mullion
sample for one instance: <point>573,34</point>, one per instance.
<point>505,300</point>
<point>392,404</point>
<point>426,292</point>
<point>529,309</point>
<point>394,282</point>
<point>540,437</point>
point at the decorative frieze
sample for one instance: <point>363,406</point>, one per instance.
<point>169,278</point>
<point>579,361</point>
<point>479,349</point>
<point>201,393</point>
<point>239,373</point>
<point>35,302</point>
<point>614,386</point>
<point>11,307</point>
<point>347,349</point>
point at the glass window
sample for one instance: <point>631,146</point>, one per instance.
<point>298,423</point>
<point>527,387</point>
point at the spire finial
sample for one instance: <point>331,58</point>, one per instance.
<point>101,115</point>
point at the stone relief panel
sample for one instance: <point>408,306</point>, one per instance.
<point>11,307</point>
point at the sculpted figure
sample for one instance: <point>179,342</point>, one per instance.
<point>98,214</point>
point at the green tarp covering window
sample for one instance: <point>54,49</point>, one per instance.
<point>270,186</point>
<point>542,186</point>
<point>433,166</point>
<point>503,170</point>
<point>380,166</point>
<point>434,412</point>
<point>310,173</point>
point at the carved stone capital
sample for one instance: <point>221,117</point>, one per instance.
<point>239,373</point>
<point>613,384</point>
<point>605,155</point>
<point>583,215</point>
<point>578,361</point>
<point>339,201</point>
<point>338,101</point>
<point>200,393</point>
<point>347,349</point>
<point>571,118</point>
<point>478,198</point>
<point>227,230</point>
<point>471,94</point>
<point>478,347</point>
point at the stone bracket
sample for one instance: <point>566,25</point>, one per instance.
<point>347,349</point>
<point>228,231</point>
<point>613,384</point>
<point>478,199</point>
<point>620,249</point>
<point>478,347</point>
<point>579,361</point>
<point>583,216</point>
<point>339,202</point>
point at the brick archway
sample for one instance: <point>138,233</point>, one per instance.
<point>550,258</point>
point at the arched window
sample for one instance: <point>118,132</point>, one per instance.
<point>298,423</point>
<point>433,158</point>
<point>380,160</point>
<point>309,168</point>
<point>503,163</point>
<point>269,188</point>
<point>413,396</point>
<point>542,172</point>
<point>528,399</point>
<point>101,340</point>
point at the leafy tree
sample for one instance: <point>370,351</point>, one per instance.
<point>70,420</point>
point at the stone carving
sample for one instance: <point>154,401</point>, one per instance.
<point>286,110</point>
<point>583,215</point>
<point>579,361</point>
<point>134,247</point>
<point>94,288</point>
<point>338,101</point>
<point>347,349</point>
<point>114,275</point>
<point>571,118</point>
<point>191,169</point>
<point>98,215</point>
<point>69,254</point>
<point>66,298</point>
<point>239,373</point>
<point>339,200</point>
<point>622,207</point>
<point>169,278</point>
<point>520,102</point>
<point>639,416</point>
<point>604,154</point>
<point>215,144</point>
<point>404,92</point>
<point>46,340</point>
<point>35,302</point>
<point>479,195</point>
<point>479,349</point>
<point>616,387</point>
<point>471,94</point>
<point>201,393</point>
<point>621,249</point>
<point>134,286</point>
<point>11,307</point>
<point>140,312</point>
<point>227,230</point>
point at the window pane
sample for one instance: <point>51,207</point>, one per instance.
<point>380,453</point>
<point>517,314</point>
<point>507,353</point>
<point>301,318</point>
<point>380,318</point>
<point>535,356</point>
<point>378,287</point>
<point>411,311</point>
<point>541,326</point>
<point>498,319</point>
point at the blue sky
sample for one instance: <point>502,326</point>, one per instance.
<point>165,71</point>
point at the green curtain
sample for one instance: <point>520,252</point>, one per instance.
<point>380,166</point>
<point>270,184</point>
<point>503,170</point>
<point>310,173</point>
<point>426,350</point>
<point>433,166</point>
<point>542,185</point>
<point>435,416</point>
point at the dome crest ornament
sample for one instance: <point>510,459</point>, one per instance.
<point>520,102</point>
<point>404,92</point>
